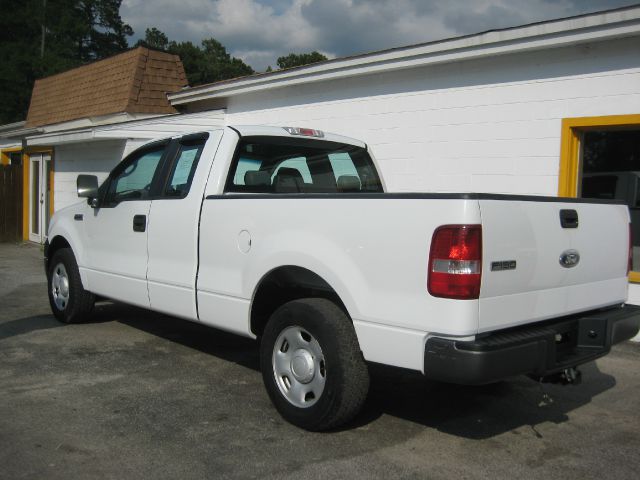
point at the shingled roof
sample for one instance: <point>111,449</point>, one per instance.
<point>135,81</point>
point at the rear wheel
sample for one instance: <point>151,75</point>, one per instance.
<point>312,366</point>
<point>70,302</point>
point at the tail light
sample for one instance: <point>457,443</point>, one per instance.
<point>455,262</point>
<point>630,262</point>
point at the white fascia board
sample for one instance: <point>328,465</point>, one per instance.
<point>137,123</point>
<point>60,138</point>
<point>590,28</point>
<point>10,127</point>
<point>78,136</point>
<point>19,134</point>
<point>129,134</point>
<point>133,128</point>
<point>148,128</point>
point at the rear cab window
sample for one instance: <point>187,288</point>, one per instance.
<point>284,165</point>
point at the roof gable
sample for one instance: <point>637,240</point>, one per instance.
<point>135,81</point>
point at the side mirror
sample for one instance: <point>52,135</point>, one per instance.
<point>87,186</point>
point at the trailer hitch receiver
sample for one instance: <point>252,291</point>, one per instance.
<point>568,376</point>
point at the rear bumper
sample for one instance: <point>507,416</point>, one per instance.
<point>541,349</point>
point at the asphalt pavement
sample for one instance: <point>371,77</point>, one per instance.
<point>135,394</point>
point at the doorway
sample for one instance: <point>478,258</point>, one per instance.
<point>11,200</point>
<point>40,189</point>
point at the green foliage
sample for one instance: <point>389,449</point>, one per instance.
<point>206,64</point>
<point>19,50</point>
<point>75,32</point>
<point>219,65</point>
<point>209,63</point>
<point>299,59</point>
<point>154,38</point>
<point>102,32</point>
<point>191,57</point>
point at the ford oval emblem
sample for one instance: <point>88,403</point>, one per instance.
<point>569,258</point>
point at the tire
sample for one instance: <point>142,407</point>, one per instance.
<point>70,302</point>
<point>312,365</point>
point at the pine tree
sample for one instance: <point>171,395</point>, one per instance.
<point>39,38</point>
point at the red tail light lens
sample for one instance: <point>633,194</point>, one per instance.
<point>455,262</point>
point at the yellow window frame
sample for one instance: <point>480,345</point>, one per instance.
<point>570,143</point>
<point>6,153</point>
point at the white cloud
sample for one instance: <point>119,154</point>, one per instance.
<point>248,23</point>
<point>259,31</point>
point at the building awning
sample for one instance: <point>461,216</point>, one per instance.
<point>145,129</point>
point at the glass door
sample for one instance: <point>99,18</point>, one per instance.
<point>39,196</point>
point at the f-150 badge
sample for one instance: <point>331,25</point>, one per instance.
<point>503,265</point>
<point>569,258</point>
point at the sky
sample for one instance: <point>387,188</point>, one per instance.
<point>259,31</point>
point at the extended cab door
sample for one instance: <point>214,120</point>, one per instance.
<point>174,223</point>
<point>116,231</point>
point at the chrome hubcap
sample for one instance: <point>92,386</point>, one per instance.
<point>298,367</point>
<point>60,286</point>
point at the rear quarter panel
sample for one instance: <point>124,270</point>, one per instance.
<point>373,253</point>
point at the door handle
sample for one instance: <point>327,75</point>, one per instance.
<point>569,219</point>
<point>139,223</point>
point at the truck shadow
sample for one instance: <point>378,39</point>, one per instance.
<point>22,326</point>
<point>227,346</point>
<point>470,412</point>
<point>478,412</point>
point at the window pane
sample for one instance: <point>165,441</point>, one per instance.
<point>611,170</point>
<point>299,164</point>
<point>15,158</point>
<point>135,180</point>
<point>47,192</point>
<point>183,170</point>
<point>245,165</point>
<point>288,165</point>
<point>35,197</point>
<point>342,164</point>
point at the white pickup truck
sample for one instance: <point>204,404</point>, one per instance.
<point>287,235</point>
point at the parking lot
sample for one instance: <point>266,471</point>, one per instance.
<point>134,394</point>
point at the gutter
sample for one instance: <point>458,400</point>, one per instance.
<point>18,133</point>
<point>58,138</point>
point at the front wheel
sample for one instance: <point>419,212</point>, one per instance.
<point>70,302</point>
<point>312,366</point>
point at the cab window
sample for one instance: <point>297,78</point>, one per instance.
<point>133,178</point>
<point>183,169</point>
<point>284,165</point>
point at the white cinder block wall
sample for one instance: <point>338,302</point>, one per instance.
<point>490,125</point>
<point>94,158</point>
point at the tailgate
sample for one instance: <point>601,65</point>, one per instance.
<point>523,279</point>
